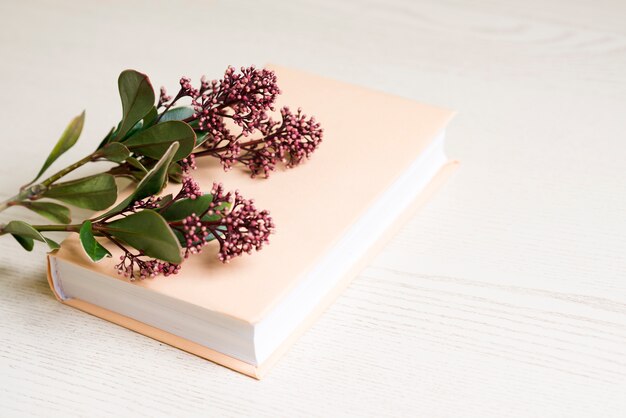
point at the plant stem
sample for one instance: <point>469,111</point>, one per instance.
<point>47,182</point>
<point>61,228</point>
<point>33,191</point>
<point>9,202</point>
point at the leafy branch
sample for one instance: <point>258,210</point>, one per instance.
<point>152,144</point>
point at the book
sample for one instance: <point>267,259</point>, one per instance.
<point>381,158</point>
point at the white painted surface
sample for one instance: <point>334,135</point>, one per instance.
<point>506,296</point>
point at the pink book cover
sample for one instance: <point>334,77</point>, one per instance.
<point>370,140</point>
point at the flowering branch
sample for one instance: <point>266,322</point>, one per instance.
<point>181,224</point>
<point>226,217</point>
<point>228,119</point>
<point>290,142</point>
<point>231,116</point>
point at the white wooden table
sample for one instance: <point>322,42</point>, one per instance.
<point>506,296</point>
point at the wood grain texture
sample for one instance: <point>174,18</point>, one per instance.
<point>505,296</point>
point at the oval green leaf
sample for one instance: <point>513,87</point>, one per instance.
<point>178,113</point>
<point>151,117</point>
<point>92,247</point>
<point>165,200</point>
<point>25,242</point>
<point>23,233</point>
<point>154,141</point>
<point>53,211</point>
<point>116,152</point>
<point>94,192</point>
<point>133,162</point>
<point>185,207</point>
<point>137,99</point>
<point>138,127</point>
<point>175,173</point>
<point>148,232</point>
<point>23,229</point>
<point>67,141</point>
<point>152,183</point>
<point>201,137</point>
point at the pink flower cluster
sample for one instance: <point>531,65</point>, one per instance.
<point>233,109</point>
<point>186,89</point>
<point>198,230</point>
<point>289,142</point>
<point>240,229</point>
<point>243,96</point>
<point>189,188</point>
<point>195,234</point>
<point>151,202</point>
<point>188,164</point>
<point>163,97</point>
<point>134,266</point>
<point>243,229</point>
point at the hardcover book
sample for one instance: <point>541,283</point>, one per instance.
<point>381,158</point>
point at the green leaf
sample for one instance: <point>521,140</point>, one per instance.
<point>201,137</point>
<point>185,207</point>
<point>53,245</point>
<point>154,141</point>
<point>195,124</point>
<point>152,183</point>
<point>53,211</point>
<point>92,247</point>
<point>67,140</point>
<point>138,127</point>
<point>94,192</point>
<point>178,113</point>
<point>23,229</point>
<point>151,117</point>
<point>136,164</point>
<point>175,173</point>
<point>23,233</point>
<point>116,152</point>
<point>148,232</point>
<point>180,237</point>
<point>165,200</point>
<point>137,99</point>
<point>139,171</point>
<point>25,242</point>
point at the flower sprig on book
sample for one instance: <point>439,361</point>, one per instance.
<point>158,141</point>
